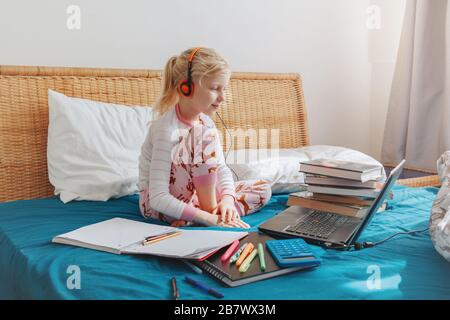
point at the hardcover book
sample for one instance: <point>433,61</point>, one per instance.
<point>342,169</point>
<point>356,192</point>
<point>340,182</point>
<point>346,210</point>
<point>359,201</point>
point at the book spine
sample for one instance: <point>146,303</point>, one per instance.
<point>338,182</point>
<point>368,193</point>
<point>329,172</point>
<point>341,199</point>
<point>324,206</point>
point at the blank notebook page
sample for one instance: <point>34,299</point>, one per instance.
<point>115,233</point>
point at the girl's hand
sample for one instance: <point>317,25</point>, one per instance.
<point>208,219</point>
<point>238,223</point>
<point>228,215</point>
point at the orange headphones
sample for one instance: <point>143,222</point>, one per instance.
<point>187,86</point>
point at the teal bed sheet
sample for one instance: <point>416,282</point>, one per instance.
<point>31,267</point>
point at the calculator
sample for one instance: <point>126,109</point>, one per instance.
<point>292,253</point>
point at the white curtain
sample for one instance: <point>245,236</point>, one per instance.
<point>418,118</point>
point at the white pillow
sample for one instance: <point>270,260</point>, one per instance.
<point>280,166</point>
<point>93,147</point>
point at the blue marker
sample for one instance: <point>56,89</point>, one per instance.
<point>203,287</point>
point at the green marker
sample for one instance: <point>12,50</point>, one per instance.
<point>248,261</point>
<point>262,260</point>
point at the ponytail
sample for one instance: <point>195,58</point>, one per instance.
<point>169,95</point>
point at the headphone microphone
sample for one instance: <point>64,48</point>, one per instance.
<point>231,144</point>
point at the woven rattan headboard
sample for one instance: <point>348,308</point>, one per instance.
<point>254,101</point>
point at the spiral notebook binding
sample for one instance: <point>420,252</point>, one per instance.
<point>212,270</point>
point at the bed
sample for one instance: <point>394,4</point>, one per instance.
<point>31,267</point>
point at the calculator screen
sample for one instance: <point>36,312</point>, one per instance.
<point>298,258</point>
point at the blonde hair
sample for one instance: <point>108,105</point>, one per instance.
<point>206,62</point>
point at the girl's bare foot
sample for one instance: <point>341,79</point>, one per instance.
<point>178,223</point>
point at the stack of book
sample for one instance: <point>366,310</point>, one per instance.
<point>342,187</point>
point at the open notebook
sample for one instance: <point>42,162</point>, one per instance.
<point>229,273</point>
<point>123,236</point>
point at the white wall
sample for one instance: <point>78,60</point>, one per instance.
<point>326,41</point>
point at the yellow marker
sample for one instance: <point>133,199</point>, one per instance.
<point>248,248</point>
<point>248,261</point>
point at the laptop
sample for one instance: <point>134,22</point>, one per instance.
<point>326,228</point>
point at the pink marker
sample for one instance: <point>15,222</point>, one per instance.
<point>230,251</point>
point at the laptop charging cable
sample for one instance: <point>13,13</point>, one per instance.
<point>368,244</point>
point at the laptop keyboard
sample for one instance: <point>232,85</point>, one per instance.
<point>319,224</point>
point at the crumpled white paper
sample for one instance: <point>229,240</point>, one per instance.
<point>440,212</point>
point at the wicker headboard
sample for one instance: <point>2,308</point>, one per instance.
<point>253,101</point>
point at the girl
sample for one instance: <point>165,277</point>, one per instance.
<point>183,177</point>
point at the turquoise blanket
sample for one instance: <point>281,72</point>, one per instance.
<point>31,267</point>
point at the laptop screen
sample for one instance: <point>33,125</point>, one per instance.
<point>393,176</point>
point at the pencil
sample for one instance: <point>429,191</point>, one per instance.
<point>175,292</point>
<point>159,235</point>
<point>161,238</point>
